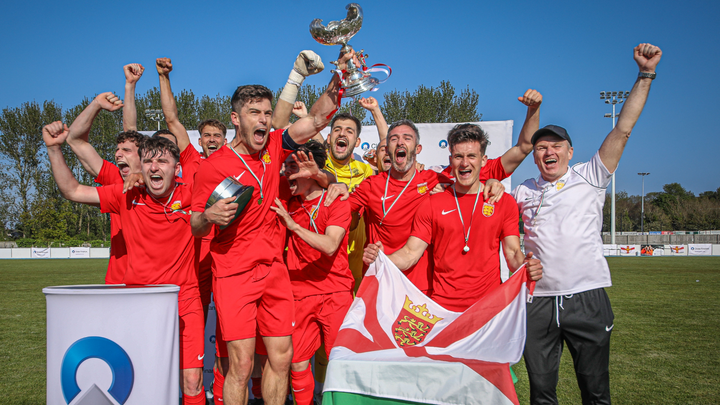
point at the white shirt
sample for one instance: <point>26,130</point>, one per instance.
<point>563,224</point>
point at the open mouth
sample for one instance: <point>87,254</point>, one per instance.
<point>124,168</point>
<point>259,135</point>
<point>212,147</point>
<point>293,186</point>
<point>341,145</point>
<point>156,181</point>
<point>550,163</point>
<point>400,156</point>
<point>465,173</point>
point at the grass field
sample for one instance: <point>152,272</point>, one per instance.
<point>665,344</point>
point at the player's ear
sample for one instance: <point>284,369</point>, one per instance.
<point>177,169</point>
<point>418,149</point>
<point>484,161</point>
<point>357,143</point>
<point>571,153</point>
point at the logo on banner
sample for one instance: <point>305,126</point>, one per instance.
<point>422,188</point>
<point>365,146</point>
<point>627,249</point>
<point>443,144</point>
<point>96,347</point>
<point>488,209</point>
<point>413,324</point>
<point>677,249</point>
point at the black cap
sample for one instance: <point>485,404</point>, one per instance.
<point>551,130</point>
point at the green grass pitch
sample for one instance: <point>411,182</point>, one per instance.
<point>665,347</point>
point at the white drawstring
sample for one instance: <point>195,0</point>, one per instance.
<point>559,306</point>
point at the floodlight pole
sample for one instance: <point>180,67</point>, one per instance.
<point>613,97</point>
<point>642,204</point>
<point>155,115</point>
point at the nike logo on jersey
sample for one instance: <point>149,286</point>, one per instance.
<point>238,177</point>
<point>201,357</point>
<point>293,324</point>
<point>447,212</point>
<point>137,203</point>
<point>385,198</point>
<point>608,329</point>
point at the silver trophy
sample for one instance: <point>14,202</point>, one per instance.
<point>355,79</point>
<point>231,188</point>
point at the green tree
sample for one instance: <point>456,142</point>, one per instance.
<point>432,105</point>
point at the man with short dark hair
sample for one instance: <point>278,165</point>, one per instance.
<point>464,237</point>
<point>212,136</point>
<point>155,224</point>
<point>251,284</point>
<point>562,215</point>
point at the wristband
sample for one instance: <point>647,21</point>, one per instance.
<point>648,75</point>
<point>292,86</point>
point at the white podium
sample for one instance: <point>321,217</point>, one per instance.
<point>112,344</point>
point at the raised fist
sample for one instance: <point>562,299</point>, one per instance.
<point>54,134</point>
<point>308,63</point>
<point>647,57</point>
<point>368,103</point>
<point>531,98</point>
<point>299,109</point>
<point>163,65</point>
<point>109,101</point>
<point>133,72</point>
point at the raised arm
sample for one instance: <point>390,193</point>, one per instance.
<point>320,112</point>
<point>307,63</point>
<point>647,57</point>
<point>54,135</point>
<point>515,155</point>
<point>164,67</point>
<point>79,133</point>
<point>372,105</point>
<point>404,258</point>
<point>133,73</point>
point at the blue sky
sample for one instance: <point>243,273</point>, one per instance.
<point>568,50</point>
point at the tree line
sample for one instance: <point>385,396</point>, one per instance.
<point>673,209</point>
<point>33,212</point>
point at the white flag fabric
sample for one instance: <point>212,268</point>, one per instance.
<point>396,343</point>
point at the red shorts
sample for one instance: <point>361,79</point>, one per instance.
<point>205,272</point>
<point>318,320</point>
<point>192,333</point>
<point>257,300</point>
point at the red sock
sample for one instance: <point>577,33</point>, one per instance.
<point>218,383</point>
<point>257,387</point>
<point>198,399</point>
<point>303,386</point>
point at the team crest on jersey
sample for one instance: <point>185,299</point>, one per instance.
<point>413,324</point>
<point>488,209</point>
<point>559,185</point>
<point>266,157</point>
<point>422,188</point>
<point>315,210</point>
<point>176,205</point>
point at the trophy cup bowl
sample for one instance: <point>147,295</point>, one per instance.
<point>231,188</point>
<point>339,32</point>
<point>354,79</point>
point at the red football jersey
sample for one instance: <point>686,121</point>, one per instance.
<point>460,278</point>
<point>110,174</point>
<point>312,272</point>
<point>493,169</point>
<point>393,229</point>
<point>160,245</point>
<point>255,236</point>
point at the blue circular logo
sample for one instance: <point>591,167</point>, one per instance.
<point>443,144</point>
<point>99,348</point>
<point>365,146</point>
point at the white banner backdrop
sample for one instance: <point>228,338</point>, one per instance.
<point>79,252</point>
<point>610,250</point>
<point>700,249</point>
<point>40,253</point>
<point>112,345</point>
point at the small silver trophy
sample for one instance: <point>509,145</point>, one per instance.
<point>355,79</point>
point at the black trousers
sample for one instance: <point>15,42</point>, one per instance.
<point>584,321</point>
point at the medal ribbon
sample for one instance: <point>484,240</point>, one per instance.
<point>312,214</point>
<point>472,216</point>
<point>260,181</point>
<point>387,181</point>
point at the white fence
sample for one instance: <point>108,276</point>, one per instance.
<point>692,249</point>
<point>55,253</point>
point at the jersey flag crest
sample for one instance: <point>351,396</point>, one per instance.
<point>396,343</point>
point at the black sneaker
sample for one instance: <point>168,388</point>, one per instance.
<point>256,401</point>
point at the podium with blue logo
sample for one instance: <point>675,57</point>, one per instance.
<point>112,344</point>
